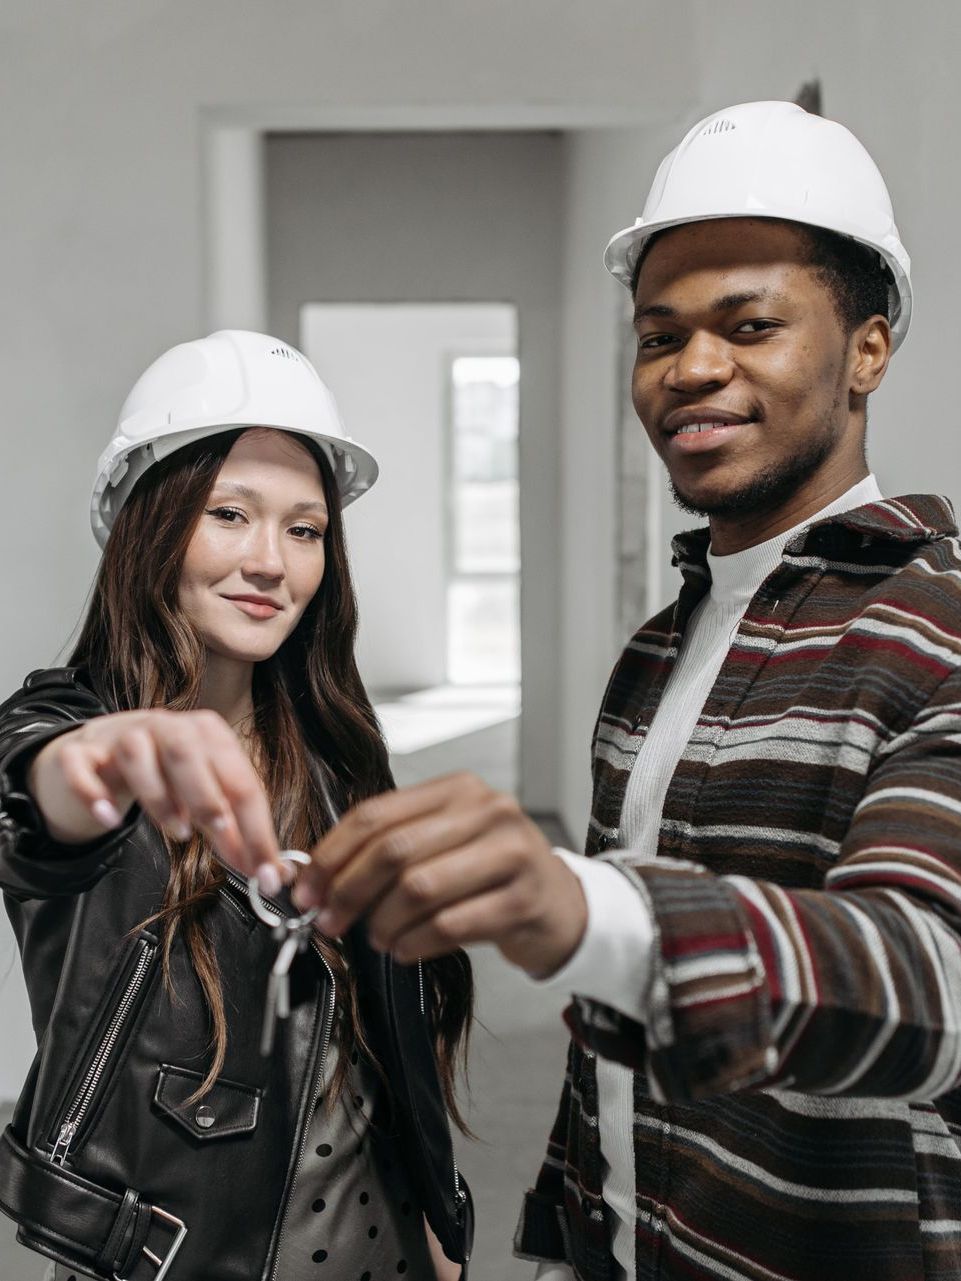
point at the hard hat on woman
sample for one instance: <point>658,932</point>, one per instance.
<point>233,378</point>
<point>773,160</point>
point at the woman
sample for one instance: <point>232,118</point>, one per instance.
<point>212,714</point>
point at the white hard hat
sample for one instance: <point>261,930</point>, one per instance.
<point>773,160</point>
<point>230,379</point>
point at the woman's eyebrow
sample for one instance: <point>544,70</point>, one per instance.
<point>255,496</point>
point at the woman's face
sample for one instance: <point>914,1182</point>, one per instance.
<point>256,557</point>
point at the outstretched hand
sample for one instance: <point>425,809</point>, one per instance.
<point>187,770</point>
<point>445,863</point>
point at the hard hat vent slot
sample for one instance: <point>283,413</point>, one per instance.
<point>287,353</point>
<point>718,126</point>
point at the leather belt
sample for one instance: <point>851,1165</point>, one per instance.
<point>90,1225</point>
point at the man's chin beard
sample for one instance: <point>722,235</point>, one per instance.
<point>762,493</point>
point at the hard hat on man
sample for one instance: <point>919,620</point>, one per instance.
<point>773,160</point>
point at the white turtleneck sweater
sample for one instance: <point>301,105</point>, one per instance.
<point>613,956</point>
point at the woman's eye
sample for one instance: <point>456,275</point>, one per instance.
<point>307,533</point>
<point>229,514</point>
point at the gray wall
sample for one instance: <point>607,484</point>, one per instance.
<point>446,217</point>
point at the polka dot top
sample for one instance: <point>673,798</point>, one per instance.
<point>352,1214</point>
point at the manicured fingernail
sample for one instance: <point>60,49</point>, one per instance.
<point>300,897</point>
<point>180,829</point>
<point>106,813</point>
<point>218,824</point>
<point>268,879</point>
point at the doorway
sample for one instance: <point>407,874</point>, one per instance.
<point>436,549</point>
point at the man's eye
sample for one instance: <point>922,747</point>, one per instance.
<point>755,326</point>
<point>651,342</point>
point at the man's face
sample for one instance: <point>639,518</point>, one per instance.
<point>742,372</point>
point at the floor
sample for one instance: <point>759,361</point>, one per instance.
<point>517,1053</point>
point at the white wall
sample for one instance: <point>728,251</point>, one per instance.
<point>398,538</point>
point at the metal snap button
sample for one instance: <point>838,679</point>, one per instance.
<point>204,1117</point>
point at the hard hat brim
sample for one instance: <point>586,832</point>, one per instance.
<point>625,246</point>
<point>354,468</point>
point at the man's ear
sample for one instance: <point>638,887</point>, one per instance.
<point>870,353</point>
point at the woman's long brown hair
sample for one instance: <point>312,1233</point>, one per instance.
<point>309,702</point>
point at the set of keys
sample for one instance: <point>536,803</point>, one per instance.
<point>293,934</point>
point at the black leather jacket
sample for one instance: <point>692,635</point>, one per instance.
<point>103,1160</point>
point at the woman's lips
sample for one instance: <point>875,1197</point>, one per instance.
<point>253,608</point>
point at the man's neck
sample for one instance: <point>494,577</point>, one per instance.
<point>736,533</point>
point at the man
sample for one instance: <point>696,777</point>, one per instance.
<point>766,957</point>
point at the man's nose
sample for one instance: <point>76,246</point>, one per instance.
<point>703,361</point>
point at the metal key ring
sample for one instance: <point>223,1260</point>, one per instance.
<point>257,903</point>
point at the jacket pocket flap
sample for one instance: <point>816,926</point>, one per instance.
<point>227,1108</point>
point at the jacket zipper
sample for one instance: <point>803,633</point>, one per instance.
<point>459,1195</point>
<point>88,1088</point>
<point>271,906</point>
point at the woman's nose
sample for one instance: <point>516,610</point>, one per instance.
<point>263,557</point>
<point>703,361</point>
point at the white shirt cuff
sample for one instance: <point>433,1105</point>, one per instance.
<point>613,960</point>
<point>554,1272</point>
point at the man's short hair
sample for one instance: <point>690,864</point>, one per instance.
<point>856,275</point>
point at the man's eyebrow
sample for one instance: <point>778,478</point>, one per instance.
<point>255,496</point>
<point>727,302</point>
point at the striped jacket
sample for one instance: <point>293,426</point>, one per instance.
<point>797,1102</point>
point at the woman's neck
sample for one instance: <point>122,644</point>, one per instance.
<point>228,689</point>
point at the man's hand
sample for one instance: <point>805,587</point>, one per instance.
<point>442,864</point>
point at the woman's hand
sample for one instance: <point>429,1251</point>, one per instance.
<point>442,864</point>
<point>185,769</point>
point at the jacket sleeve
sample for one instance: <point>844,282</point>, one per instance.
<point>32,864</point>
<point>849,989</point>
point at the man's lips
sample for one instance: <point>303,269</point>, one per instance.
<point>695,430</point>
<point>701,418</point>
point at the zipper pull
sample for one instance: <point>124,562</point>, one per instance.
<point>64,1139</point>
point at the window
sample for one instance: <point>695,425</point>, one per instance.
<point>484,569</point>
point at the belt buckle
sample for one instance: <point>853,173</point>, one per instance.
<point>164,1265</point>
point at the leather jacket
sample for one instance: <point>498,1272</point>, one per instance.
<point>104,1162</point>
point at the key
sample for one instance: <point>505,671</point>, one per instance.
<point>292,934</point>
<point>277,1004</point>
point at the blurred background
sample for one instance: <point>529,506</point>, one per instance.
<point>418,195</point>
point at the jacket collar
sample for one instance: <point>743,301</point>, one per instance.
<point>916,518</point>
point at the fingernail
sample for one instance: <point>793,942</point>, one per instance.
<point>300,897</point>
<point>325,921</point>
<point>180,829</point>
<point>268,878</point>
<point>218,824</point>
<point>106,813</point>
